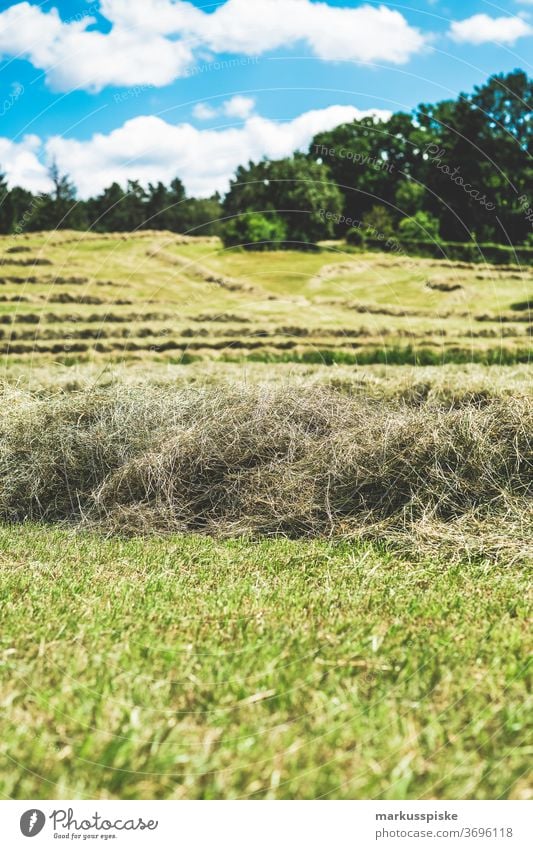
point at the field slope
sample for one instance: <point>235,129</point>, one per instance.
<point>87,296</point>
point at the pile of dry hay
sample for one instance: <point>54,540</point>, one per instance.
<point>289,461</point>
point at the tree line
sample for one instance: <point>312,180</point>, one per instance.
<point>459,170</point>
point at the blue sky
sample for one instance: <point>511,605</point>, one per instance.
<point>160,88</point>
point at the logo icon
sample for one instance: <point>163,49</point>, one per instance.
<point>32,822</point>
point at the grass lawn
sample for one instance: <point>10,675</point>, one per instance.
<point>184,667</point>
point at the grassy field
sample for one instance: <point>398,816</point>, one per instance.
<point>265,522</point>
<point>190,668</point>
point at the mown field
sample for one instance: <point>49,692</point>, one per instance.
<point>265,522</point>
<point>83,296</point>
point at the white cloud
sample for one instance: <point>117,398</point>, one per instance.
<point>149,149</point>
<point>20,162</point>
<point>480,29</point>
<point>239,106</point>
<point>362,34</point>
<point>204,112</point>
<point>154,41</point>
<point>236,107</point>
<point>73,58</point>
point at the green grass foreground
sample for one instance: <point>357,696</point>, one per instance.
<point>186,667</point>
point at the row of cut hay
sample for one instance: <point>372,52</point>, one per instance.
<point>235,338</point>
<point>79,318</point>
<point>65,237</point>
<point>293,461</point>
<point>514,314</point>
<point>282,351</point>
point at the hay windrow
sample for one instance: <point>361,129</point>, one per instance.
<point>293,461</point>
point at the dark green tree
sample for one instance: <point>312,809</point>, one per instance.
<point>479,158</point>
<point>59,209</point>
<point>298,190</point>
<point>369,159</point>
<point>134,206</point>
<point>421,226</point>
<point>201,216</point>
<point>6,213</point>
<point>106,211</point>
<point>378,223</point>
<point>255,231</point>
<point>23,206</point>
<point>158,207</point>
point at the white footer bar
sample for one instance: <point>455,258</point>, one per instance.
<point>268,825</point>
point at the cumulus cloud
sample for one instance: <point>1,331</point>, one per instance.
<point>239,106</point>
<point>480,29</point>
<point>236,107</point>
<point>204,112</point>
<point>74,58</point>
<point>150,149</point>
<point>155,41</point>
<point>20,162</point>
